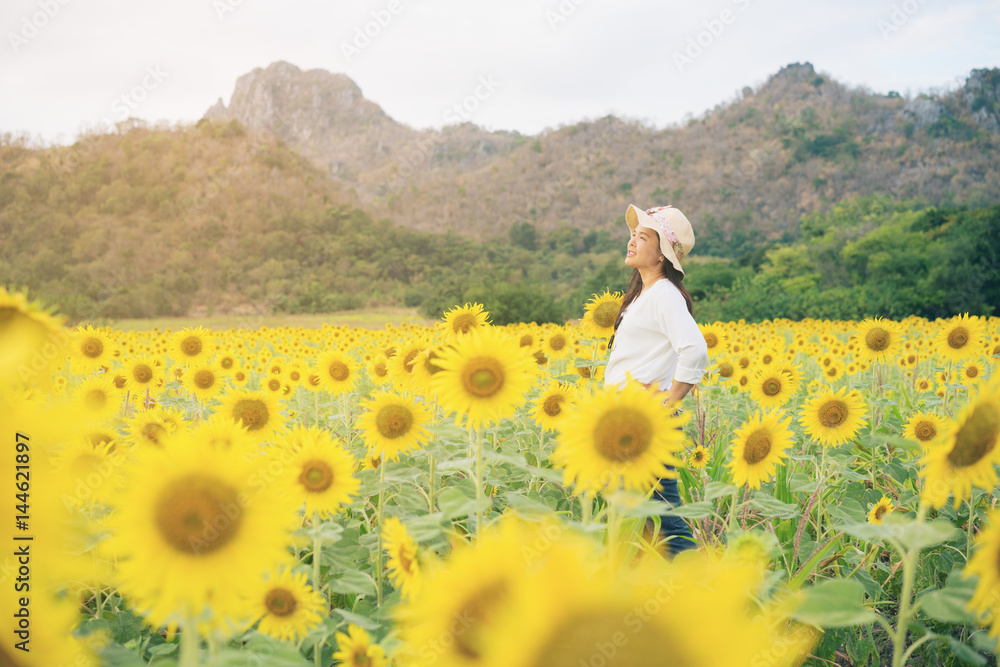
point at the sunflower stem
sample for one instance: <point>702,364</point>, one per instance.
<point>820,476</point>
<point>189,644</point>
<point>612,537</point>
<point>905,607</point>
<point>347,420</point>
<point>317,553</point>
<point>378,553</point>
<point>479,480</point>
<point>972,509</point>
<point>430,493</point>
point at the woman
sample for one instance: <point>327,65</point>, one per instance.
<point>656,339</point>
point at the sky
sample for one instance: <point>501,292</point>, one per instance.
<point>525,65</point>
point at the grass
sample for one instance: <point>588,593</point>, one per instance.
<point>369,318</point>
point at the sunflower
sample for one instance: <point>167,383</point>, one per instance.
<point>259,412</point>
<point>601,313</point>
<point>190,345</point>
<point>618,439</point>
<point>424,368</point>
<point>286,606</point>
<point>985,563</point>
<point>833,418</point>
<point>25,331</point>
<point>716,338</point>
<point>378,372</point>
<point>393,425</point>
<point>338,371</point>
<point>204,380</point>
<point>88,474</point>
<point>965,454</point>
<point>322,474</point>
<point>403,566</point>
<point>758,447</point>
<point>143,373</point>
<point>834,371</point>
<point>484,375</point>
<point>961,338</point>
<point>460,320</point>
<point>880,509</point>
<point>148,428</point>
<point>550,406</point>
<point>91,348</point>
<point>402,362</point>
<point>557,344</point>
<point>924,427</point>
<point>698,458</point>
<point>878,340</point>
<point>355,649</point>
<point>971,373</point>
<point>201,520</point>
<point>774,385</point>
<point>98,397</point>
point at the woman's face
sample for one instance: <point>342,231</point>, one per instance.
<point>643,248</point>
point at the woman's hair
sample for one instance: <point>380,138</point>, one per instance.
<point>635,286</point>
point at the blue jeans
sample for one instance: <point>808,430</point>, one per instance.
<point>673,528</point>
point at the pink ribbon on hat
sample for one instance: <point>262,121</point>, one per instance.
<point>667,230</point>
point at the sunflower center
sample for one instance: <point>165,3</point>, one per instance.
<point>606,314</point>
<point>381,370</point>
<point>583,371</point>
<point>464,322</point>
<point>92,347</point>
<point>313,380</point>
<point>711,340</point>
<point>227,362</point>
<point>527,340</point>
<point>623,434</point>
<point>757,447</point>
<point>191,346</point>
<point>95,399</point>
<point>483,377</point>
<point>726,369</point>
<point>198,514</point>
<point>119,381</point>
<point>339,371</point>
<point>574,642</point>
<point>744,362</point>
<point>958,338</point>
<point>316,476</point>
<point>971,372</point>
<point>429,366</point>
<point>557,342</point>
<point>771,386</point>
<point>553,405</point>
<point>410,358</point>
<point>142,373</point>
<point>976,437</point>
<point>252,412</point>
<point>274,384</point>
<point>394,421</point>
<point>880,511</point>
<point>877,339</point>
<point>280,602</point>
<point>925,430</point>
<point>832,413</point>
<point>475,613</point>
<point>203,379</point>
<point>153,432</point>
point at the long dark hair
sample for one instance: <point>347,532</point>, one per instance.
<point>635,286</point>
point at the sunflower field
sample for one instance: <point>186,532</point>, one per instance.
<point>471,495</point>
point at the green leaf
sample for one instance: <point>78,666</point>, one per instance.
<point>915,535</point>
<point>835,603</point>
<point>966,654</point>
<point>948,604</point>
<point>455,504</point>
<point>982,641</point>
<point>715,490</point>
<point>125,627</point>
<point>357,619</point>
<point>772,507</point>
<point>353,581</point>
<point>116,656</point>
<point>698,510</point>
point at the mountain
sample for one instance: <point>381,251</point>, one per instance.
<point>753,165</point>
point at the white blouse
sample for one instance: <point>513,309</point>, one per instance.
<point>658,341</point>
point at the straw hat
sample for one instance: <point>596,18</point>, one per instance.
<point>676,235</point>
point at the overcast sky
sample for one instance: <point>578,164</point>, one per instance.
<point>66,64</point>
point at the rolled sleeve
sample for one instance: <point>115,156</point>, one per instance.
<point>685,337</point>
